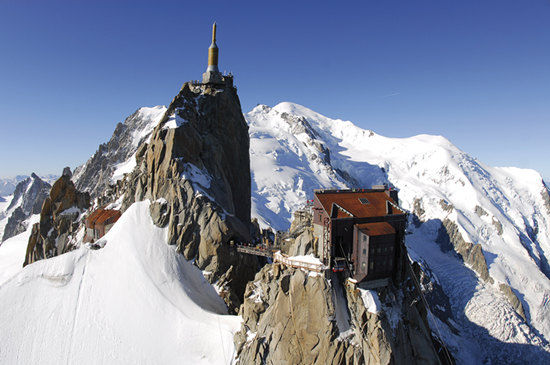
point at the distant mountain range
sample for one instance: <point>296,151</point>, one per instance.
<point>8,184</point>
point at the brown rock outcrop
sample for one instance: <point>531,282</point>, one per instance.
<point>59,221</point>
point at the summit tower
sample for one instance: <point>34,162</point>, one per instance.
<point>212,74</point>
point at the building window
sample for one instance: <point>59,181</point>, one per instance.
<point>371,265</point>
<point>364,238</point>
<point>364,251</point>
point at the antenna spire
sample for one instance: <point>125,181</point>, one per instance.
<point>214,33</point>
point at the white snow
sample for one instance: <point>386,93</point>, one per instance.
<point>134,301</point>
<point>197,176</point>
<point>310,259</point>
<point>370,300</point>
<point>122,168</point>
<point>4,213</point>
<point>117,204</point>
<point>150,117</point>
<point>13,250</point>
<point>174,121</point>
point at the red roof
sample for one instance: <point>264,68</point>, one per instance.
<point>102,216</point>
<point>90,220</point>
<point>349,201</point>
<point>376,229</point>
<point>108,216</point>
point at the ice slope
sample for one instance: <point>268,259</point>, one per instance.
<point>134,301</point>
<point>502,209</point>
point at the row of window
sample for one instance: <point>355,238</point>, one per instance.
<point>385,249</point>
<point>378,266</point>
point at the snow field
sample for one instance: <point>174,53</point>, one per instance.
<point>134,301</point>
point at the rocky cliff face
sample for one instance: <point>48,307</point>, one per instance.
<point>56,233</point>
<point>27,199</point>
<point>292,317</point>
<point>108,163</point>
<point>196,171</point>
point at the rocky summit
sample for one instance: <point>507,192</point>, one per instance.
<point>196,171</point>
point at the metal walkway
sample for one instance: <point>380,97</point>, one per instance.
<point>258,251</point>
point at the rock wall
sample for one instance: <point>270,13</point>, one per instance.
<point>56,233</point>
<point>292,317</point>
<point>196,172</point>
<point>470,253</point>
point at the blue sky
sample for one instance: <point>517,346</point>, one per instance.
<point>477,72</point>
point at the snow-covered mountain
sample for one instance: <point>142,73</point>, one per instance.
<point>294,150</point>
<point>505,210</point>
<point>16,209</point>
<point>8,184</point>
<point>457,206</point>
<point>116,157</point>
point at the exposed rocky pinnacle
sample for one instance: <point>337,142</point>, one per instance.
<point>196,171</point>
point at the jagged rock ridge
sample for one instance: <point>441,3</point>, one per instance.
<point>108,163</point>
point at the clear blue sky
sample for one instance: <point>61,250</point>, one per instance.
<point>477,72</point>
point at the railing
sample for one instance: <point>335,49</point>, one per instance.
<point>284,259</point>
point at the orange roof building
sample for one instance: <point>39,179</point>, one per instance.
<point>99,222</point>
<point>362,228</point>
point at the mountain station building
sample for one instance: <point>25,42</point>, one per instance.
<point>360,231</point>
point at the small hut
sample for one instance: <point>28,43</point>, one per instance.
<point>99,222</point>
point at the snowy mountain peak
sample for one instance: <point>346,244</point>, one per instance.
<point>116,157</point>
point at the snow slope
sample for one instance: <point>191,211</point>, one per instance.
<point>5,212</point>
<point>13,250</point>
<point>134,301</point>
<point>294,149</point>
